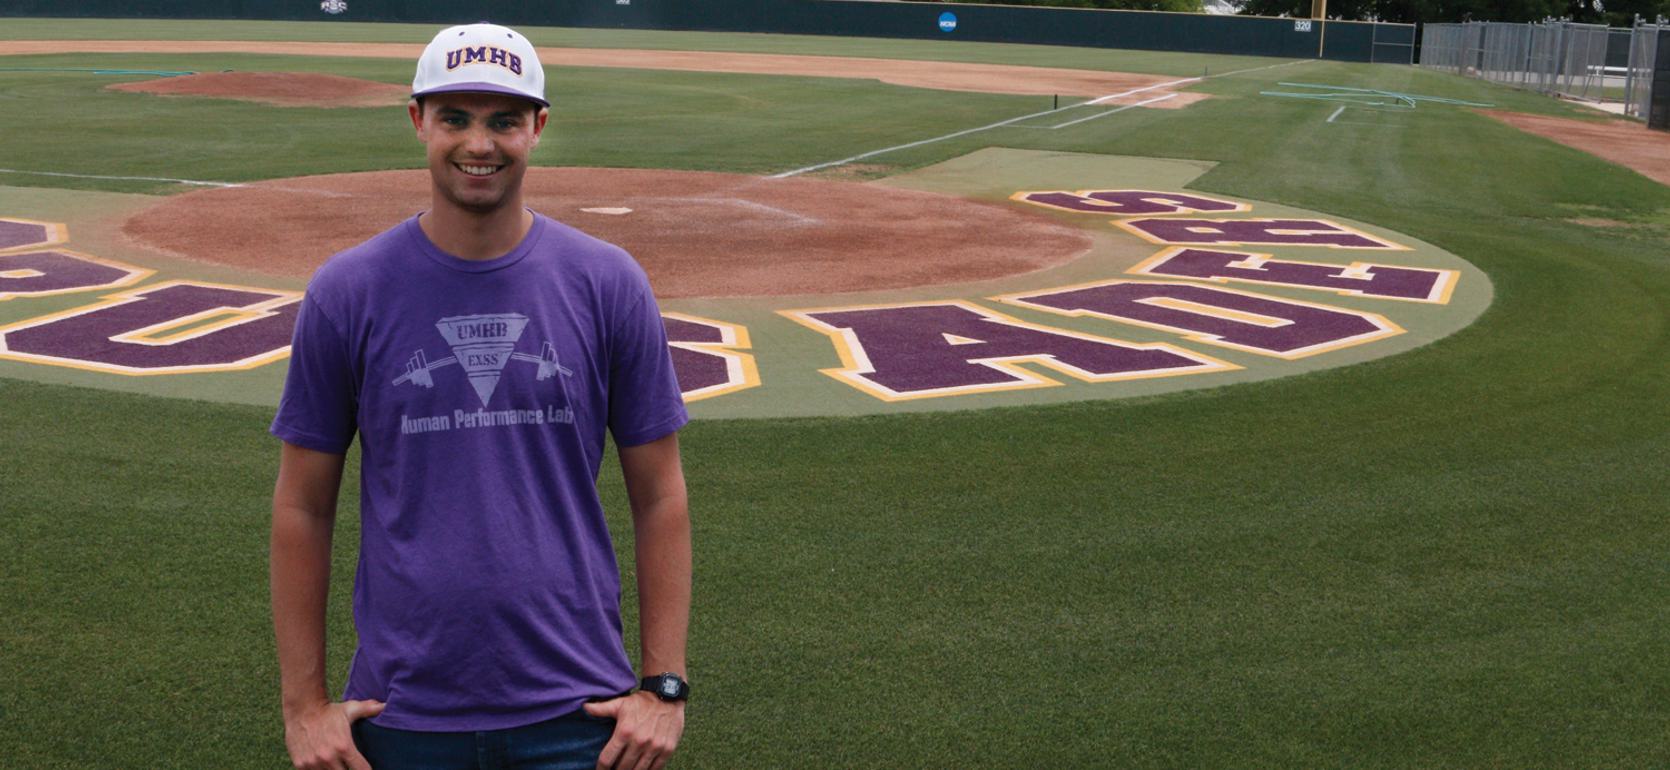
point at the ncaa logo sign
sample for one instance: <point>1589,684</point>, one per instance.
<point>333,7</point>
<point>947,21</point>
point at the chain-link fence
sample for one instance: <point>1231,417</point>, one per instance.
<point>1638,80</point>
<point>1557,57</point>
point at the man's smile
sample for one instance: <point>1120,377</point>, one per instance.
<point>477,170</point>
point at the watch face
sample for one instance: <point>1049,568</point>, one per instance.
<point>669,686</point>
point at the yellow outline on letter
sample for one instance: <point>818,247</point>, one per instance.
<point>855,363</point>
<point>741,372</point>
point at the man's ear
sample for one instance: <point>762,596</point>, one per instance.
<point>539,119</point>
<point>414,108</point>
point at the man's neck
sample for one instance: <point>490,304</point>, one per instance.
<point>468,235</point>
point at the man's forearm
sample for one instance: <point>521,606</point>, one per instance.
<point>300,574</point>
<point>662,533</point>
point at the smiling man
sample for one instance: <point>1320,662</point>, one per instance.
<point>481,352</point>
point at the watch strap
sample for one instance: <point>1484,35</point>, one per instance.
<point>667,686</point>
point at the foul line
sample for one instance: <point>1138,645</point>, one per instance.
<point>122,178</point>
<point>1336,113</point>
<point>965,132</point>
<point>1142,103</point>
<point>1001,123</point>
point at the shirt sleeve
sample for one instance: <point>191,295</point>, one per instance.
<point>319,407</point>
<point>644,400</point>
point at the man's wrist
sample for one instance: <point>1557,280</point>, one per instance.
<point>667,686</point>
<point>302,705</point>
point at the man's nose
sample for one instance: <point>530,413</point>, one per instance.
<point>478,141</point>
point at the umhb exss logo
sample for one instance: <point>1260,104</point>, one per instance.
<point>482,345</point>
<point>483,54</point>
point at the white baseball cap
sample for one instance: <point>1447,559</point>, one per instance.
<point>482,59</point>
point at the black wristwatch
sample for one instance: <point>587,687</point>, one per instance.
<point>667,687</point>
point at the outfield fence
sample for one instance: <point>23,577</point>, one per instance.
<point>1638,84</point>
<point>1354,41</point>
<point>1580,61</point>
<point>1561,57</point>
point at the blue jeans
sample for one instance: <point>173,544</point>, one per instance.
<point>569,742</point>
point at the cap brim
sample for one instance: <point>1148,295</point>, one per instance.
<point>481,88</point>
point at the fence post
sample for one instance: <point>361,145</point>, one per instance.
<point>1659,117</point>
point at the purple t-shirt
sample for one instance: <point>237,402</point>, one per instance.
<point>487,594</point>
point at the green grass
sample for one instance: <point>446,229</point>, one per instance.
<point>1449,558</point>
<point>602,117</point>
<point>1156,62</point>
<point>615,118</point>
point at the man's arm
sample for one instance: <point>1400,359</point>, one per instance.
<point>661,529</point>
<point>647,729</point>
<point>304,516</point>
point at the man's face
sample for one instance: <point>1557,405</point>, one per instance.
<point>478,146</point>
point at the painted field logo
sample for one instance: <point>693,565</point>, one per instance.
<point>1180,290</point>
<point>1160,316</point>
<point>481,345</point>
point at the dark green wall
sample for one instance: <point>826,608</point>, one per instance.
<point>1347,41</point>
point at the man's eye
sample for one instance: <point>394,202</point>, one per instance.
<point>504,125</point>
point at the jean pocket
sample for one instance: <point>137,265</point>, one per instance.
<point>585,716</point>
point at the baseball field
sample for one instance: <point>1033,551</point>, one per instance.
<point>992,464</point>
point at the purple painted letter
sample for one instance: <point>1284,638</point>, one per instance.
<point>1128,203</point>
<point>1254,322</point>
<point>175,327</point>
<point>1292,232</point>
<point>954,348</point>
<point>1388,281</point>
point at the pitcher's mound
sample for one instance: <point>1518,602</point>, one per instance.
<point>697,234</point>
<point>283,89</point>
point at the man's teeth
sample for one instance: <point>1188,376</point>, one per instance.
<point>478,170</point>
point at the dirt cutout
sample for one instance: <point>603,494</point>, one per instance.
<point>1623,142</point>
<point>953,76</point>
<point>697,234</point>
<point>283,89</point>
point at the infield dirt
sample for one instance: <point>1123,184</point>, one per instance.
<point>282,89</point>
<point>1623,142</point>
<point>697,234</point>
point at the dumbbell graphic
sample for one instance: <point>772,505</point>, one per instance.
<point>547,360</point>
<point>418,367</point>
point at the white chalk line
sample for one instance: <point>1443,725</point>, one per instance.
<point>798,219</point>
<point>1106,113</point>
<point>1001,123</point>
<point>122,178</point>
<point>1336,113</point>
<point>732,200</point>
<point>195,182</point>
<point>1100,114</point>
<point>872,153</point>
<point>1368,123</point>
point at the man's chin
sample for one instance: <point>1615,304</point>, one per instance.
<point>480,205</point>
